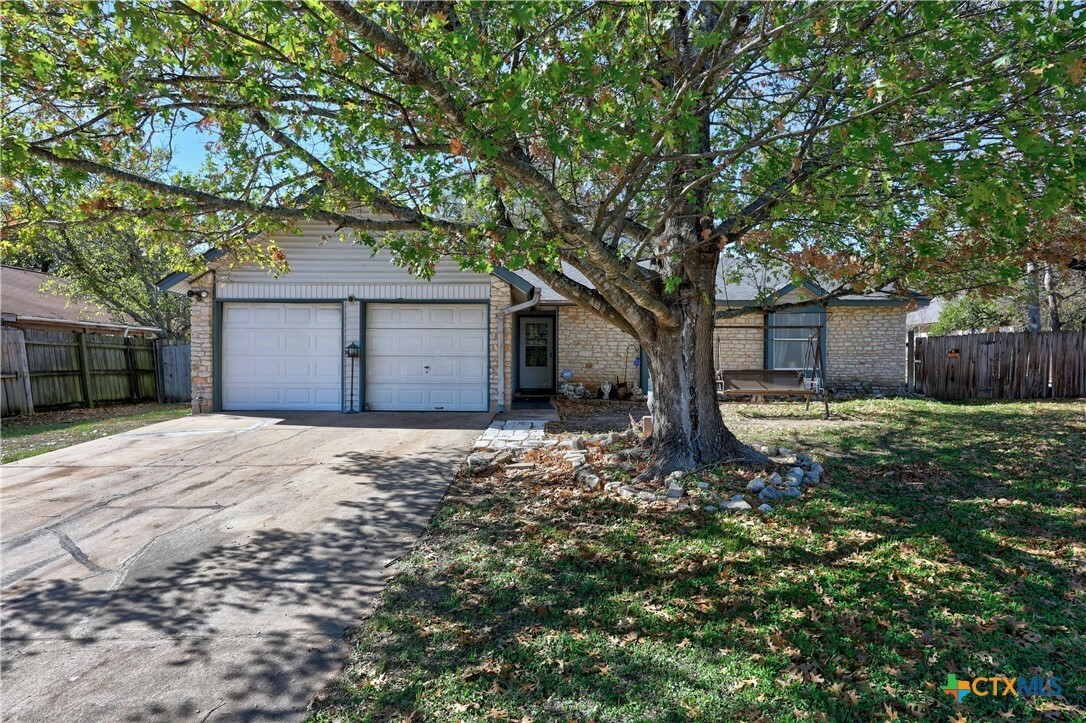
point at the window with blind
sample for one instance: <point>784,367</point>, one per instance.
<point>787,348</point>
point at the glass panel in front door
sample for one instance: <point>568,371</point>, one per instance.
<point>536,343</point>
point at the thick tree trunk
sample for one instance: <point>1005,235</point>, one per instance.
<point>688,429</point>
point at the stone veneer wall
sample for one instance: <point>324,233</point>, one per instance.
<point>740,348</point>
<point>865,348</point>
<point>594,349</point>
<point>202,337</point>
<point>501,350</point>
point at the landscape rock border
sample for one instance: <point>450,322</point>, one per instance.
<point>592,463</point>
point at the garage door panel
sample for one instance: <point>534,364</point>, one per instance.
<point>427,316</point>
<point>392,370</point>
<point>387,343</point>
<point>427,357</point>
<point>267,315</point>
<point>281,356</point>
<point>427,397</point>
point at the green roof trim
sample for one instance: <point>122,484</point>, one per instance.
<point>177,277</point>
<point>513,280</point>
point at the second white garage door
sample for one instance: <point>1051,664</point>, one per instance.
<point>281,356</point>
<point>426,357</point>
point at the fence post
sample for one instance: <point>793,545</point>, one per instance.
<point>160,369</point>
<point>910,362</point>
<point>84,369</point>
<point>23,371</point>
<point>133,369</point>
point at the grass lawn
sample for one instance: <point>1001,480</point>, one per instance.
<point>22,437</point>
<point>947,538</point>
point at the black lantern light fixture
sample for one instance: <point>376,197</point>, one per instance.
<point>352,351</point>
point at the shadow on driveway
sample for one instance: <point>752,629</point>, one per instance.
<point>215,591</point>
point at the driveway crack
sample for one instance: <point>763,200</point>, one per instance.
<point>81,557</point>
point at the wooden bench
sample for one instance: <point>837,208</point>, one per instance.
<point>761,383</point>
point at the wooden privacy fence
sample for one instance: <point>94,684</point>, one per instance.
<point>174,370</point>
<point>1017,365</point>
<point>43,369</point>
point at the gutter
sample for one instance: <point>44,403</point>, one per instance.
<point>533,300</point>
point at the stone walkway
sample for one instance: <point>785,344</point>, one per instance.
<point>514,434</point>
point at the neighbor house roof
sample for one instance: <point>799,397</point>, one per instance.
<point>927,315</point>
<point>24,300</point>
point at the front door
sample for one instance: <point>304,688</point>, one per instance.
<point>536,352</point>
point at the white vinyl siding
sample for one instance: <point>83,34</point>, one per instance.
<point>281,356</point>
<point>323,267</point>
<point>387,292</point>
<point>426,357</point>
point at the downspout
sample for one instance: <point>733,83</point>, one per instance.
<point>532,301</point>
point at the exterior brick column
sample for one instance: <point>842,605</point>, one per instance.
<point>202,337</point>
<point>501,350</point>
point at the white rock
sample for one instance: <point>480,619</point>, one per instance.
<point>784,451</point>
<point>766,509</point>
<point>627,491</point>
<point>735,505</point>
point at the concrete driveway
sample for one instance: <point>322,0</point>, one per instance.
<point>206,568</point>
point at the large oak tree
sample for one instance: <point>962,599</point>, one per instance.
<point>857,141</point>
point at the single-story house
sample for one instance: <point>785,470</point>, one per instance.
<point>35,300</point>
<point>464,341</point>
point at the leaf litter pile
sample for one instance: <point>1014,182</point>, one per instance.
<point>535,598</point>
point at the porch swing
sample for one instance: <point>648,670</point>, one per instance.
<point>805,382</point>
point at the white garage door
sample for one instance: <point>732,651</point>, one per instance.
<point>281,356</point>
<point>426,356</point>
